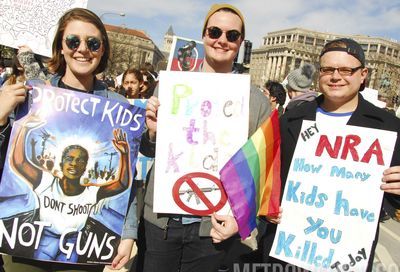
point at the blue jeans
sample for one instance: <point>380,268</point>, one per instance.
<point>49,249</point>
<point>183,249</point>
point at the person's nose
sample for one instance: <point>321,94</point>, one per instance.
<point>83,46</point>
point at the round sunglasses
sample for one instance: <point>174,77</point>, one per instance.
<point>215,32</point>
<point>92,43</point>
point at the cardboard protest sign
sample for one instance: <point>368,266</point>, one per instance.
<point>66,183</point>
<point>33,22</point>
<point>202,121</point>
<point>143,163</point>
<point>332,199</point>
<point>185,55</point>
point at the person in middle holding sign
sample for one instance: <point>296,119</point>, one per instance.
<point>183,243</point>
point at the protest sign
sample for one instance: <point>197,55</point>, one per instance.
<point>143,163</point>
<point>332,199</point>
<point>202,121</point>
<point>66,183</point>
<point>32,23</point>
<point>185,55</point>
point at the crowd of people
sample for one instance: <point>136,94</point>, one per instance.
<point>182,243</point>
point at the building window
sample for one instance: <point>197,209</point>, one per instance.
<point>320,42</point>
<point>301,39</point>
<point>395,53</point>
<point>389,51</point>
<point>288,38</point>
<point>364,47</point>
<point>297,63</point>
<point>310,40</point>
<point>373,48</point>
<point>382,49</point>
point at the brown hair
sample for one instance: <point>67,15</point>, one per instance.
<point>57,62</point>
<point>134,71</point>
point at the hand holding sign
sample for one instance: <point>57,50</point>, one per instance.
<point>391,179</point>
<point>223,227</point>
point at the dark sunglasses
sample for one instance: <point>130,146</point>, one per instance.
<point>231,35</point>
<point>73,42</point>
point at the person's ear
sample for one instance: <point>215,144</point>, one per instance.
<point>364,74</point>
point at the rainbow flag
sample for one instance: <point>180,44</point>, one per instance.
<point>251,178</point>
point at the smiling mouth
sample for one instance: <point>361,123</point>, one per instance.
<point>83,59</point>
<point>335,86</point>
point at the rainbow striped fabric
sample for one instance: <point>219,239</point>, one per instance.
<point>251,178</point>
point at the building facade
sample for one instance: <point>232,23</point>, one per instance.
<point>130,48</point>
<point>285,50</point>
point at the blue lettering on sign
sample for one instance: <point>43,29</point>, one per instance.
<point>342,207</point>
<point>306,253</point>
<point>312,199</point>
<point>341,172</point>
<point>322,232</point>
<point>301,166</point>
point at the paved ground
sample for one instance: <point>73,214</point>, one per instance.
<point>387,255</point>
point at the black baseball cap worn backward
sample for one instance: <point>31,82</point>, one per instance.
<point>351,47</point>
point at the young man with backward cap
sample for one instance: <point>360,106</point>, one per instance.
<point>342,77</point>
<point>182,243</point>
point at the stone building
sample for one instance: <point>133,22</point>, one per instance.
<point>285,50</point>
<point>130,48</point>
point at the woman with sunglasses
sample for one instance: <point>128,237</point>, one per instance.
<point>181,243</point>
<point>80,51</point>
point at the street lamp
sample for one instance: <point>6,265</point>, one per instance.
<point>111,13</point>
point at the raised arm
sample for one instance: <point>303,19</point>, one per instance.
<point>19,161</point>
<point>124,174</point>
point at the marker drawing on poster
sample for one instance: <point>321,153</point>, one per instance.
<point>66,183</point>
<point>332,197</point>
<point>201,122</point>
<point>32,22</point>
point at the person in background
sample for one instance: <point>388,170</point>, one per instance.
<point>150,80</point>
<point>132,82</point>
<point>3,72</point>
<point>276,94</point>
<point>25,66</point>
<point>80,51</point>
<point>298,85</point>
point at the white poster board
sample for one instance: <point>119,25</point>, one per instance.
<point>332,199</point>
<point>32,22</point>
<point>202,121</point>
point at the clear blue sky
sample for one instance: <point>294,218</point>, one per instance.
<point>380,18</point>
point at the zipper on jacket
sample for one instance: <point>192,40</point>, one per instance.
<point>165,229</point>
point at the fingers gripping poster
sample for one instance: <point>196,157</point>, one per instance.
<point>67,178</point>
<point>332,199</point>
<point>202,121</point>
